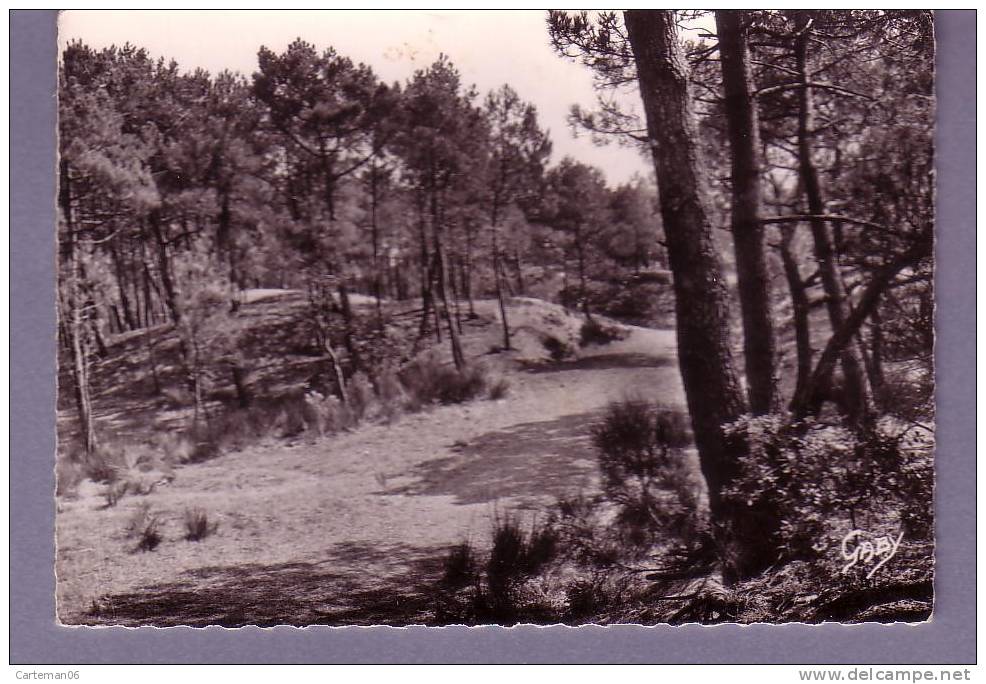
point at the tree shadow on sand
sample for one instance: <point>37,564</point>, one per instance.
<point>359,584</point>
<point>530,463</point>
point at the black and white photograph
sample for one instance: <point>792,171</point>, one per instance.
<point>436,317</point>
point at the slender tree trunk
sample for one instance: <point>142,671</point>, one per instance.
<point>746,535</point>
<point>751,265</point>
<point>498,283</point>
<point>857,398</point>
<point>443,284</point>
<point>76,319</point>
<point>337,373</point>
<point>375,240</point>
<point>876,352</point>
<point>453,283</point>
<point>121,285</point>
<point>195,376</point>
<point>152,361</point>
<point>164,267</point>
<point>583,283</point>
<point>238,376</point>
<point>347,321</point>
<point>518,264</point>
<point>225,247</point>
<point>801,309</point>
<point>846,333</point>
<point>467,271</point>
<point>427,276</point>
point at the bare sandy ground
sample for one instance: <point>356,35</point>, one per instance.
<point>350,528</point>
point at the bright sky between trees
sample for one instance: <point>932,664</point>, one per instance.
<point>489,48</point>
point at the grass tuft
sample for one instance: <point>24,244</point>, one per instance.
<point>149,533</point>
<point>197,525</point>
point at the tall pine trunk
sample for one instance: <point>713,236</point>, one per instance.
<point>857,400</point>
<point>745,536</point>
<point>801,309</point>
<point>76,324</point>
<point>498,282</point>
<point>443,284</point>
<point>497,267</point>
<point>751,266</point>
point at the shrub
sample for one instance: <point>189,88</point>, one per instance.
<point>460,566</point>
<point>429,381</point>
<point>391,394</point>
<point>362,398</point>
<point>197,525</point>
<point>585,534</point>
<point>498,389</point>
<point>821,478</point>
<point>149,533</point>
<point>125,469</point>
<point>495,591</point>
<point>231,430</point>
<point>557,349</point>
<point>68,475</point>
<point>114,492</point>
<point>640,451</point>
<point>587,597</point>
<point>324,415</point>
<point>908,391</point>
<point>175,447</point>
<point>635,300</point>
<point>103,464</point>
<point>139,520</point>
<point>594,332</point>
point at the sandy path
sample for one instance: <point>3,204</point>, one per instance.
<point>332,530</point>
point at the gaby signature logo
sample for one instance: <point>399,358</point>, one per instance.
<point>861,548</point>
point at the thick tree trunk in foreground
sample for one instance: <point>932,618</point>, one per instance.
<point>751,265</point>
<point>745,536</point>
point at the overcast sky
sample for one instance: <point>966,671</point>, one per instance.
<point>489,49</point>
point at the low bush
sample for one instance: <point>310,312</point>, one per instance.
<point>825,479</point>
<point>391,394</point>
<point>126,468</point>
<point>497,590</point>
<point>460,568</point>
<point>557,349</point>
<point>635,300</point>
<point>68,476</point>
<point>498,389</point>
<point>326,415</point>
<point>594,332</point>
<point>197,525</point>
<point>149,533</point>
<point>139,520</point>
<point>362,397</point>
<point>429,381</point>
<point>640,451</point>
<point>103,464</point>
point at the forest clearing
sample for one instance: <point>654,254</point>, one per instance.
<point>342,522</point>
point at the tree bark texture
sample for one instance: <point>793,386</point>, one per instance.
<point>745,536</point>
<point>857,399</point>
<point>751,266</point>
